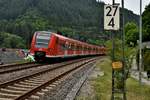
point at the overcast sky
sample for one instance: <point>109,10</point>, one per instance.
<point>133,5</point>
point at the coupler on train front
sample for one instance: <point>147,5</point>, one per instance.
<point>40,56</point>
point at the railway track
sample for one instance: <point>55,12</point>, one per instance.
<point>16,67</point>
<point>32,86</point>
<point>9,68</point>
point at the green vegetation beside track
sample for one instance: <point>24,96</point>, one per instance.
<point>137,92</point>
<point>102,84</point>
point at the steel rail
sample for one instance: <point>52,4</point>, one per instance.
<point>36,89</point>
<point>15,64</point>
<point>17,67</point>
<point>39,73</point>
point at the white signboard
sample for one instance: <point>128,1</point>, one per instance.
<point>111,17</point>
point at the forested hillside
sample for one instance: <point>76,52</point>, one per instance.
<point>72,17</point>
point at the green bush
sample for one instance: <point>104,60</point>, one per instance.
<point>129,55</point>
<point>146,59</point>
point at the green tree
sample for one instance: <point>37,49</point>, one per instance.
<point>131,34</point>
<point>11,41</point>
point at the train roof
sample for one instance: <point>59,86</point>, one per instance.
<point>70,39</point>
<point>66,38</point>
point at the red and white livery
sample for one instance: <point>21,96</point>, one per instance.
<point>51,45</point>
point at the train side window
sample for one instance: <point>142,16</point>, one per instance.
<point>63,46</point>
<point>69,46</point>
<point>66,46</point>
<point>90,48</point>
<point>72,47</point>
<point>81,47</point>
<point>84,48</point>
<point>77,47</point>
<point>96,49</point>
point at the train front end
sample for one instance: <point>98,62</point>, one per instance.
<point>40,45</point>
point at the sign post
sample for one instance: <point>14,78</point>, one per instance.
<point>112,23</point>
<point>123,52</point>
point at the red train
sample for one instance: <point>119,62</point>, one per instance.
<point>51,45</point>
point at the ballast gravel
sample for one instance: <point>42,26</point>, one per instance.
<point>61,92</point>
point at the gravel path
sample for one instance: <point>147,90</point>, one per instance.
<point>135,74</point>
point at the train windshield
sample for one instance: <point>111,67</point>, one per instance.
<point>42,39</point>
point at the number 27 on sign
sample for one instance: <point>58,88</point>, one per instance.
<point>111,17</point>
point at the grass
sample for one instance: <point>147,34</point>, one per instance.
<point>102,84</point>
<point>137,92</point>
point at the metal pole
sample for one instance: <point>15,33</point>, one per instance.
<point>123,53</point>
<point>113,58</point>
<point>140,44</point>
<point>113,2</point>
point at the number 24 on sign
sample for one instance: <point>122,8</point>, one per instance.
<point>111,17</point>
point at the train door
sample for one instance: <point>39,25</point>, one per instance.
<point>70,52</point>
<point>77,49</point>
<point>74,49</point>
<point>82,49</point>
<point>71,49</point>
<point>66,48</point>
